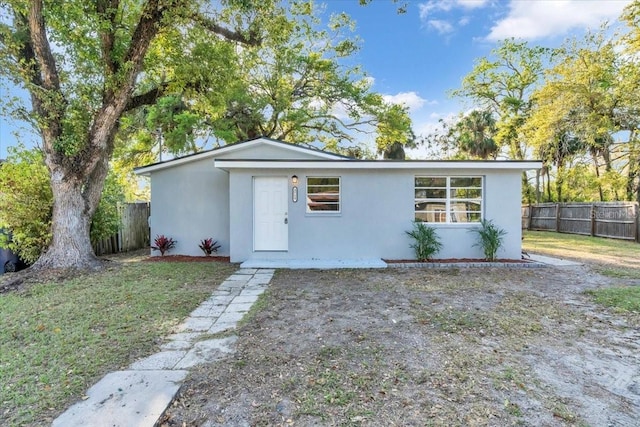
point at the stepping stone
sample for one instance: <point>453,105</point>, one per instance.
<point>184,336</point>
<point>221,327</point>
<point>196,324</point>
<point>208,311</point>
<point>162,360</point>
<point>237,277</point>
<point>247,271</point>
<point>253,291</point>
<point>245,299</point>
<point>207,351</point>
<point>176,345</point>
<point>123,399</point>
<point>230,317</point>
<point>239,307</point>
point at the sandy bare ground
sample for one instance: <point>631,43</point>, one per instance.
<point>417,347</point>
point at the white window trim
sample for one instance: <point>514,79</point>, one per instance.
<point>323,213</point>
<point>448,199</point>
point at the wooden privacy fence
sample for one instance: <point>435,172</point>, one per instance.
<point>133,233</point>
<point>616,220</point>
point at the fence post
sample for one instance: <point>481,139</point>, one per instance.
<point>557,217</point>
<point>637,223</point>
<point>530,215</point>
<point>593,219</point>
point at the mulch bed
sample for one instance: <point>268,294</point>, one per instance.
<point>454,260</point>
<point>187,258</point>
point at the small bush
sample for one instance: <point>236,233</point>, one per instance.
<point>427,243</point>
<point>490,239</point>
<point>209,246</point>
<point>163,244</point>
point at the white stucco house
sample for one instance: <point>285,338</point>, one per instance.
<point>269,202</point>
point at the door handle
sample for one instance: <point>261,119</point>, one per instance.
<point>286,220</point>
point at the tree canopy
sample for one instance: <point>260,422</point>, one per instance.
<point>130,78</point>
<point>575,107</point>
<point>85,65</point>
<point>295,86</point>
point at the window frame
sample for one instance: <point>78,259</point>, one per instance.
<point>448,200</point>
<point>323,212</point>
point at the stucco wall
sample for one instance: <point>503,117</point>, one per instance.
<point>190,202</point>
<point>377,207</point>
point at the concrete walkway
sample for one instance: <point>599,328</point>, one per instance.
<point>556,262</point>
<point>325,264</point>
<point>139,395</point>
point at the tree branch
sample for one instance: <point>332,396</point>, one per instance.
<point>108,10</point>
<point>251,39</point>
<point>42,49</point>
<point>105,124</point>
<point>148,98</point>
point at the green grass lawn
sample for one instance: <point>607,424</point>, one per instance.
<point>625,298</point>
<point>57,339</point>
<point>614,258</point>
<point>617,258</point>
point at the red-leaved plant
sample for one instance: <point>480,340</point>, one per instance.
<point>209,246</point>
<point>163,244</point>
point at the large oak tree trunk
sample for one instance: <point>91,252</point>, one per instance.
<point>71,223</point>
<point>78,147</point>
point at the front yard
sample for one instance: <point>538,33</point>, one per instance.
<point>496,346</point>
<point>57,338</point>
<point>421,347</point>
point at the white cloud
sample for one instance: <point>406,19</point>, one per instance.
<point>432,13</point>
<point>410,99</point>
<point>428,8</point>
<point>538,19</point>
<point>472,4</point>
<point>441,26</point>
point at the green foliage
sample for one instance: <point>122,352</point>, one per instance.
<point>502,84</point>
<point>490,239</point>
<point>294,86</point>
<point>426,241</point>
<point>163,244</point>
<point>394,129</point>
<point>100,61</point>
<point>569,106</point>
<point>26,205</point>
<point>469,135</point>
<point>106,219</point>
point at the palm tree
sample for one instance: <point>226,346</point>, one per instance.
<point>476,133</point>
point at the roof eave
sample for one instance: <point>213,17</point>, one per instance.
<point>146,170</point>
<point>376,164</point>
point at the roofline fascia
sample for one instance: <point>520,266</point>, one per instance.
<point>226,164</point>
<point>146,170</point>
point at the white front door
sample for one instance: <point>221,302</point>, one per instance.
<point>270,229</point>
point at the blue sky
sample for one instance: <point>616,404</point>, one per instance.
<point>417,57</point>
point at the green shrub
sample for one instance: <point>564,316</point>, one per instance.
<point>490,239</point>
<point>427,243</point>
<point>26,205</point>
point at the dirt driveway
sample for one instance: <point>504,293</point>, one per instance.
<point>416,347</point>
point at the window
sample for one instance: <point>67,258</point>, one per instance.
<point>323,194</point>
<point>448,199</point>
